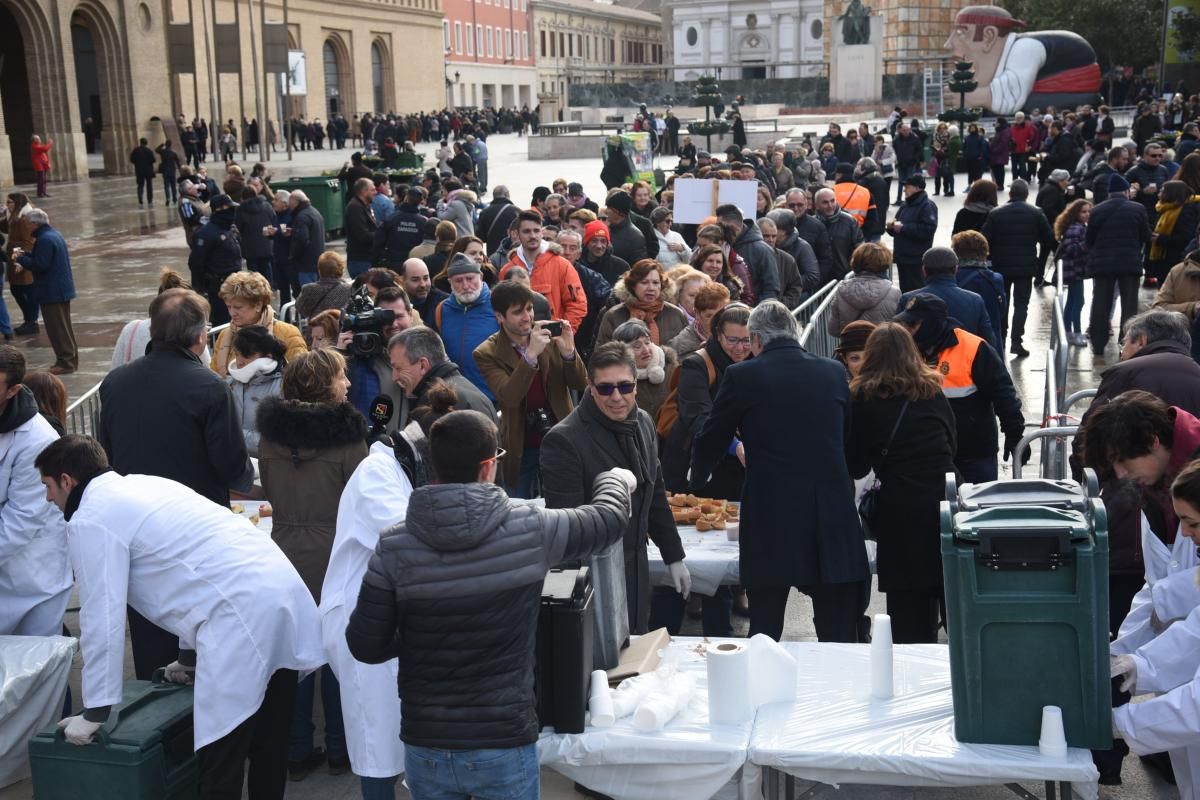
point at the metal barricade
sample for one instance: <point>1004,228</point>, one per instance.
<point>83,416</point>
<point>813,316</point>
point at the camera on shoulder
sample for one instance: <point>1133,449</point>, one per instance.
<point>367,323</point>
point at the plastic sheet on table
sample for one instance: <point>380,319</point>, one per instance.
<point>835,733</point>
<point>33,680</point>
<point>686,760</point>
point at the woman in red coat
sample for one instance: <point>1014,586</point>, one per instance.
<point>39,154</point>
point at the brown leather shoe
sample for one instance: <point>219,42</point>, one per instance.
<point>59,369</point>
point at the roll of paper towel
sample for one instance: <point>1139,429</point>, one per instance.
<point>729,681</point>
<point>664,703</point>
<point>882,686</point>
<point>601,702</point>
<point>774,672</point>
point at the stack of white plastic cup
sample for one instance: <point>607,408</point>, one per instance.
<point>1053,742</point>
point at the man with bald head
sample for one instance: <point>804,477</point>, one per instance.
<point>843,229</point>
<point>424,295</point>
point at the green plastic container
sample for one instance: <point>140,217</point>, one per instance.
<point>327,196</point>
<point>143,752</point>
<point>1026,575</point>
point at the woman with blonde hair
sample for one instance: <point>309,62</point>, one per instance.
<point>311,441</point>
<point>445,236</point>
<point>901,426</point>
<point>708,302</point>
<point>1071,231</point>
<point>867,292</point>
<point>247,295</point>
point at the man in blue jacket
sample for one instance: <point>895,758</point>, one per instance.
<point>1117,236</point>
<point>53,289</point>
<point>940,264</point>
<point>912,232</point>
<point>466,320</point>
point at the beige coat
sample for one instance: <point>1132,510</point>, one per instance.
<point>1181,289</point>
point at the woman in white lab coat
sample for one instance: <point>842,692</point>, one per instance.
<point>1167,663</point>
<point>375,499</point>
<point>209,577</point>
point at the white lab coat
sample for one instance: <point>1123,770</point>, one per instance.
<point>35,569</point>
<point>197,570</point>
<point>1170,590</point>
<point>375,498</point>
<point>1166,662</point>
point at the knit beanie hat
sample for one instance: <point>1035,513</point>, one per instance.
<point>462,264</point>
<point>1117,184</point>
<point>593,229</point>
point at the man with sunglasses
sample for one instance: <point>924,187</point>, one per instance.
<point>608,431</point>
<point>811,230</point>
<point>1147,177</point>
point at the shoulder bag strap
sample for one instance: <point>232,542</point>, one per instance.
<point>895,428</point>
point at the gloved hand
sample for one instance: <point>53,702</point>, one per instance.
<point>627,476</point>
<point>78,730</point>
<point>178,673</point>
<point>1126,668</point>
<point>681,578</point>
<point>1010,444</point>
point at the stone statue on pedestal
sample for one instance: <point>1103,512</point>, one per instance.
<point>856,23</point>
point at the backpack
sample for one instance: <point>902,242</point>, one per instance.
<point>668,412</point>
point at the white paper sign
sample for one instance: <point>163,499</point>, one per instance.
<point>297,81</point>
<point>694,198</point>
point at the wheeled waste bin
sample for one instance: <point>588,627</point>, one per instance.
<point>143,752</point>
<point>1026,577</point>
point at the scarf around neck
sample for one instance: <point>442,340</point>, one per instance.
<point>647,313</point>
<point>627,435</point>
<point>1168,216</point>
<point>225,343</point>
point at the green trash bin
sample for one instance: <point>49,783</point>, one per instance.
<point>1026,577</point>
<point>328,197</point>
<point>143,752</point>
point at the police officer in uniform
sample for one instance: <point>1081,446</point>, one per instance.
<point>216,254</point>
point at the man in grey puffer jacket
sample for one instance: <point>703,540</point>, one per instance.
<point>454,592</point>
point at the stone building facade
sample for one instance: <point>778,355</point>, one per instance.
<point>110,61</point>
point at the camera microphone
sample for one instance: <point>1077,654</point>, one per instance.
<point>382,408</point>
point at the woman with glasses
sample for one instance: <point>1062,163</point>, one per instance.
<point>645,300</point>
<point>311,440</point>
<point>700,378</point>
<point>655,364</point>
<point>901,426</point>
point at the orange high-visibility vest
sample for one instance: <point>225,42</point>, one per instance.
<point>954,365</point>
<point>855,200</point>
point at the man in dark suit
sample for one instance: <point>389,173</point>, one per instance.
<point>799,524</point>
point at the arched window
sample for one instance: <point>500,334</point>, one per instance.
<point>333,78</point>
<point>377,88</point>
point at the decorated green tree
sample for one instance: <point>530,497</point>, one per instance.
<point>708,94</point>
<point>962,80</point>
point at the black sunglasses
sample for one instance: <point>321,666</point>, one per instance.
<point>625,387</point>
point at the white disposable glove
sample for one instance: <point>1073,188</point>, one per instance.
<point>681,578</point>
<point>78,730</point>
<point>1126,668</point>
<point>178,673</point>
<point>627,476</point>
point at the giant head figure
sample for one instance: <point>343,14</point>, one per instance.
<point>1018,71</point>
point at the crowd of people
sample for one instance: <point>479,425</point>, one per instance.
<point>472,347</point>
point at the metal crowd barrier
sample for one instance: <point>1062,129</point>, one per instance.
<point>813,314</point>
<point>83,416</point>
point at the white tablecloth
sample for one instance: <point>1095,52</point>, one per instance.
<point>711,559</point>
<point>686,760</point>
<point>834,733</point>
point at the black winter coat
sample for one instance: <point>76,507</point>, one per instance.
<point>143,161</point>
<point>454,593</point>
<point>760,260</point>
<point>611,267</point>
<point>844,236</point>
<point>806,261</point>
<point>493,222</point>
<point>1052,200</point>
<point>971,217</point>
<point>919,219</point>
<point>694,401</point>
<point>251,217</point>
<point>1019,238</point>
<point>1143,174</point>
<point>880,196</point>
<point>574,454</point>
<point>628,242</point>
<point>912,479</point>
<point>813,231</point>
<point>1117,234</point>
<point>216,254</point>
<point>402,231</point>
<point>361,227</point>
<point>169,415</point>
<point>799,524</point>
<point>909,150</point>
<point>308,239</point>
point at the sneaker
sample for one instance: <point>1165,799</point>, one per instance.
<point>1018,351</point>
<point>299,770</point>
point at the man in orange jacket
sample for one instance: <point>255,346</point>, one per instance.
<point>550,275</point>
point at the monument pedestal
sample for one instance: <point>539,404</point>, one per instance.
<point>856,70</point>
<point>551,107</point>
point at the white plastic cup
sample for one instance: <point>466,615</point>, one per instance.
<point>1053,741</point>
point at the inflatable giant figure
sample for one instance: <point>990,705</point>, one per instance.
<point>1020,71</point>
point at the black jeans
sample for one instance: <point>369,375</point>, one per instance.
<point>1017,292</point>
<point>1100,318</point>
<point>836,610</point>
<point>24,297</point>
<point>911,277</point>
<point>262,738</point>
<point>998,175</point>
<point>145,184</point>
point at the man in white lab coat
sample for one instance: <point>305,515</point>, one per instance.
<point>35,572</point>
<point>209,577</point>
